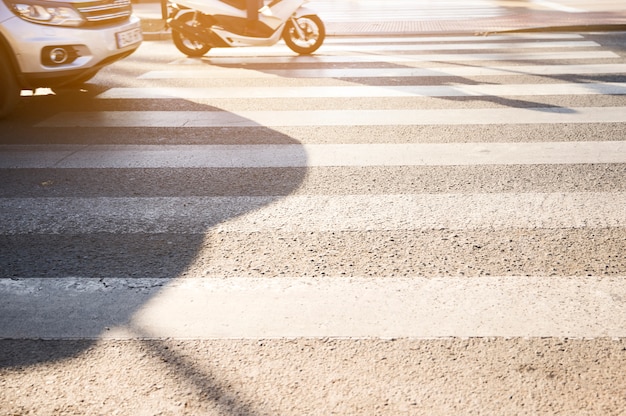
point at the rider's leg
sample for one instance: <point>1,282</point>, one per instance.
<point>252,12</point>
<point>253,7</point>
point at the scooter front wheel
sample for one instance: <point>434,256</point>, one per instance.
<point>190,47</point>
<point>307,37</point>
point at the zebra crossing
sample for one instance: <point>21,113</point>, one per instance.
<point>432,223</point>
<point>546,74</point>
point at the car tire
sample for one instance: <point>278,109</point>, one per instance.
<point>9,90</point>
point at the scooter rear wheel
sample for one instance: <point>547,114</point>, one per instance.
<point>189,47</point>
<point>313,30</point>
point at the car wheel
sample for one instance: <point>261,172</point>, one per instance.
<point>9,90</point>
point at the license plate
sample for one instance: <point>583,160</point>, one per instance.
<point>128,37</point>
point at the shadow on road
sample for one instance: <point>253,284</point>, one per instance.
<point>83,259</point>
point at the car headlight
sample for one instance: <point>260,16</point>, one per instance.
<point>46,12</point>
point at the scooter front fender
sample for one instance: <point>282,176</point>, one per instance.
<point>304,11</point>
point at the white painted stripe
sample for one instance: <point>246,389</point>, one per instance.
<point>187,119</point>
<point>304,213</point>
<point>212,72</point>
<point>362,91</point>
<point>557,6</point>
<point>349,40</point>
<point>297,155</point>
<point>408,14</point>
<point>247,308</point>
<point>398,11</point>
<point>466,46</point>
<point>390,58</point>
<point>282,49</point>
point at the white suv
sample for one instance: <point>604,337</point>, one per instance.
<point>55,43</point>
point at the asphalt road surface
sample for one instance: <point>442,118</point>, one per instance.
<point>410,225</point>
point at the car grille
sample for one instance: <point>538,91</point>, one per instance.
<point>103,12</point>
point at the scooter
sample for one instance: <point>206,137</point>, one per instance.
<point>199,25</point>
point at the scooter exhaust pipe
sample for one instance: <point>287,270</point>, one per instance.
<point>192,33</point>
<point>198,34</point>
